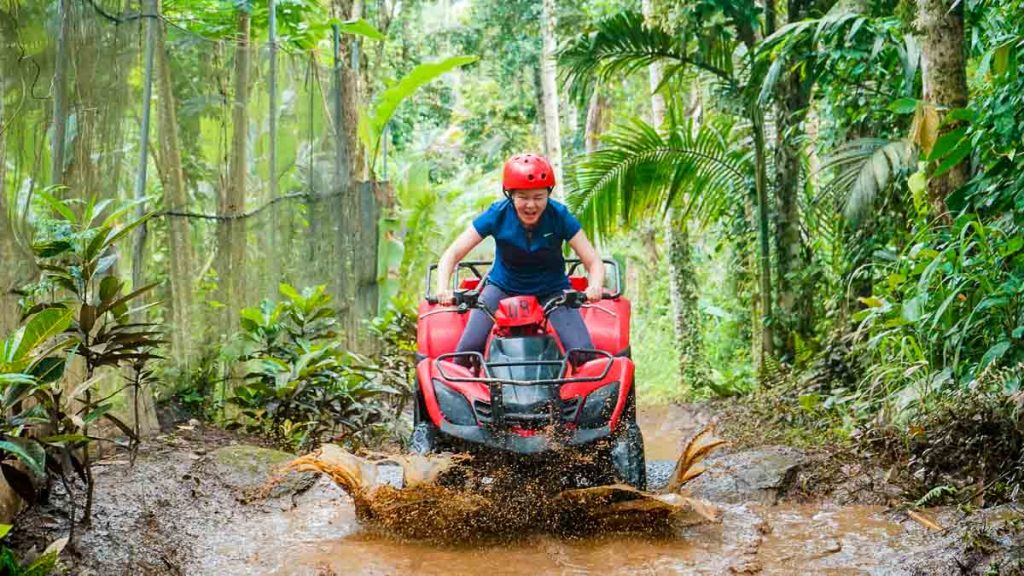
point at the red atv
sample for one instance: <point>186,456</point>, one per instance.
<point>526,394</point>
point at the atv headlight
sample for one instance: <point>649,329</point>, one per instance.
<point>599,405</point>
<point>453,405</point>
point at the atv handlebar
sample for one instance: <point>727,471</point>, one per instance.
<point>466,300</point>
<point>474,267</point>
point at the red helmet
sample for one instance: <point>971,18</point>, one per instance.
<point>527,172</point>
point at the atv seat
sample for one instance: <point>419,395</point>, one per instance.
<point>578,283</point>
<point>469,283</point>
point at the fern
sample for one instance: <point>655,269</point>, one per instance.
<point>936,494</point>
<point>625,43</point>
<point>639,173</point>
<point>863,169</point>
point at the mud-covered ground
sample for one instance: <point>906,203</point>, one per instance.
<point>193,504</point>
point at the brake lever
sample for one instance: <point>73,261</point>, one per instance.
<point>552,304</point>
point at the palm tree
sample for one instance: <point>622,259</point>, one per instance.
<point>694,170</point>
<point>625,43</point>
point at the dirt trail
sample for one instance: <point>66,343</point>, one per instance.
<point>189,506</point>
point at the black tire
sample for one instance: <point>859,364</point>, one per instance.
<point>626,453</point>
<point>627,456</point>
<point>424,438</point>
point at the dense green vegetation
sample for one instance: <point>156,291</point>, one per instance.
<point>818,203</point>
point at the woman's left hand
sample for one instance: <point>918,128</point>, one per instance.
<point>594,293</point>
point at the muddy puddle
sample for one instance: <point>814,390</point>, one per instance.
<point>798,541</point>
<point>194,503</point>
<point>357,521</point>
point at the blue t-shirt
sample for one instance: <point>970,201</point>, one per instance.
<point>528,262</point>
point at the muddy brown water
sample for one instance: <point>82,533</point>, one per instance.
<point>799,540</point>
<point>320,533</point>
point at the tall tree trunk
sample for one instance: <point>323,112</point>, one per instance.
<point>231,238</point>
<point>341,213</point>
<point>179,251</point>
<point>150,8</point>
<point>60,108</point>
<point>944,75</point>
<point>791,100</point>
<point>596,120</point>
<point>275,225</point>
<point>763,324</point>
<point>654,74</point>
<point>685,312</point>
<point>549,89</point>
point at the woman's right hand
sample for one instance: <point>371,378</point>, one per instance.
<point>445,297</point>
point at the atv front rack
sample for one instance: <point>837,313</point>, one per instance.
<point>495,429</point>
<point>487,378</point>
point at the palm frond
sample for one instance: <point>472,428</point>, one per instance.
<point>863,168</point>
<point>844,29</point>
<point>624,43</point>
<point>638,174</point>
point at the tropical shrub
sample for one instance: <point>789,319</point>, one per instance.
<point>78,308</point>
<point>950,308</point>
<point>31,359</point>
<point>301,387</point>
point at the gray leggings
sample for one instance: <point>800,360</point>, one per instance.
<point>567,322</point>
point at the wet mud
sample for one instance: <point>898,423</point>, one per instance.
<point>196,502</point>
<point>459,497</point>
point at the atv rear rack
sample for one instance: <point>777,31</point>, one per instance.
<point>488,379</point>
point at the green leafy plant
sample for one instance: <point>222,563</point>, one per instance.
<point>42,565</point>
<point>373,121</point>
<point>31,359</point>
<point>301,387</point>
<point>76,252</point>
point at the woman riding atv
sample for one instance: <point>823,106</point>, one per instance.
<point>528,229</point>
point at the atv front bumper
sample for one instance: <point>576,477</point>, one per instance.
<point>542,441</point>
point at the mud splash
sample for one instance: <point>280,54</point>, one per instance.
<point>446,498</point>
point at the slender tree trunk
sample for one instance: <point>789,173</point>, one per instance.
<point>141,398</point>
<point>275,226</point>
<point>549,88</point>
<point>943,70</point>
<point>179,251</point>
<point>341,213</point>
<point>792,97</point>
<point>595,121</point>
<point>60,108</point>
<point>767,348</point>
<point>139,241</point>
<point>231,238</point>
<point>685,313</point>
<point>654,74</point>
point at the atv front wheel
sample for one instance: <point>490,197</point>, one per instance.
<point>424,439</point>
<point>627,456</point>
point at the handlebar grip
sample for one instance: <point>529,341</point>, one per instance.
<point>431,299</point>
